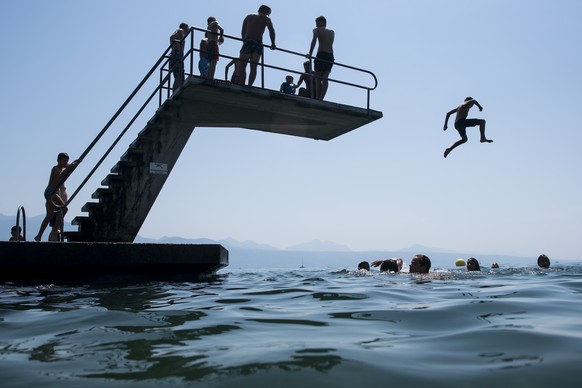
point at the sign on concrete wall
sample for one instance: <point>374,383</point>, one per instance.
<point>158,168</point>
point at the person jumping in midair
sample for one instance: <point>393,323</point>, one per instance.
<point>462,122</point>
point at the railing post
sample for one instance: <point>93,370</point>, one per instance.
<point>21,209</point>
<point>263,69</point>
<point>311,78</point>
<point>191,51</point>
<point>161,89</point>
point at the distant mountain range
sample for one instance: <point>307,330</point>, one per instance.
<point>315,253</point>
<point>231,243</point>
<point>33,223</point>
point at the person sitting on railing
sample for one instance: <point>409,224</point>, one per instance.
<point>288,87</point>
<point>306,77</point>
<point>253,29</point>
<point>204,63</point>
<point>177,55</point>
<point>215,38</point>
<point>16,234</point>
<point>56,192</point>
<point>324,58</point>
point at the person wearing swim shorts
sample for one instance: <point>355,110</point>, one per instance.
<point>462,123</point>
<point>56,193</point>
<point>176,61</point>
<point>324,58</point>
<point>203,62</point>
<point>215,37</point>
<point>252,32</point>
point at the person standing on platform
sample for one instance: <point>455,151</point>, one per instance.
<point>203,62</point>
<point>215,38</point>
<point>176,61</point>
<point>252,32</point>
<point>324,58</point>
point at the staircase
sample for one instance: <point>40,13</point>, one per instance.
<point>136,180</point>
<point>130,190</point>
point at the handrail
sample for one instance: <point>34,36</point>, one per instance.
<point>263,65</point>
<point>164,83</point>
<point>115,116</point>
<point>21,209</point>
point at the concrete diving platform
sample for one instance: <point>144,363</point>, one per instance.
<point>82,262</point>
<point>215,103</point>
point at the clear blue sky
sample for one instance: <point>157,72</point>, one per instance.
<point>68,65</point>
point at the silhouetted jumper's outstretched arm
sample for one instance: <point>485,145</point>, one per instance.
<point>447,118</point>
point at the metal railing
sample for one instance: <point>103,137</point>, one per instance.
<point>189,56</point>
<point>21,210</point>
<point>164,86</point>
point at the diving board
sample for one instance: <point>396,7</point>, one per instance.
<point>214,103</point>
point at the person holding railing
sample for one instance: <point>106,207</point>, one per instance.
<point>56,194</point>
<point>176,61</point>
<point>252,32</point>
<point>324,58</point>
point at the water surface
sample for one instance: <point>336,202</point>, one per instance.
<point>519,327</point>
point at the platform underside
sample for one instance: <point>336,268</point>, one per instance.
<point>223,104</point>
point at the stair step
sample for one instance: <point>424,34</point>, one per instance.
<point>80,220</point>
<point>164,114</point>
<point>141,141</point>
<point>111,178</point>
<point>74,236</point>
<point>151,129</point>
<point>102,192</point>
<point>132,153</point>
<point>90,206</point>
<point>123,164</point>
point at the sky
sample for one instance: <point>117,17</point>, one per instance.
<point>67,66</point>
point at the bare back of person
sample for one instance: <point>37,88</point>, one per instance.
<point>254,26</point>
<point>177,40</point>
<point>325,38</point>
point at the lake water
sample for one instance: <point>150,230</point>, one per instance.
<point>512,327</point>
